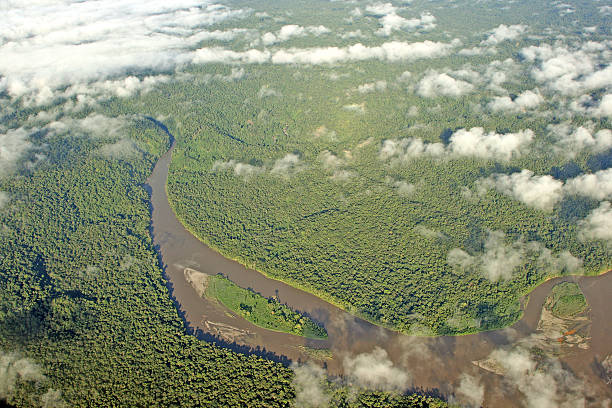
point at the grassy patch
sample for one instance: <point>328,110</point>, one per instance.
<point>566,299</point>
<point>266,313</point>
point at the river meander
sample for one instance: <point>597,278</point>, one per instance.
<point>435,363</point>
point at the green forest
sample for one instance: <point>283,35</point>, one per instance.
<point>84,299</point>
<point>316,142</point>
<point>359,242</point>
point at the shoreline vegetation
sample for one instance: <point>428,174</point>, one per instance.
<point>268,313</point>
<point>350,309</point>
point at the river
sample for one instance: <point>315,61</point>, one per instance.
<point>435,363</point>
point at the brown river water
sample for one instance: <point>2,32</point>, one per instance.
<point>434,363</point>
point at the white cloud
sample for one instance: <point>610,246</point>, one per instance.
<point>352,34</point>
<point>544,384</point>
<point>222,55</point>
<point>500,260</point>
<point>408,148</point>
<point>330,161</point>
<point>13,144</point>
<point>394,22</point>
<point>504,32</point>
<point>570,140</point>
<point>372,87</point>
<point>381,9</point>
<point>293,30</point>
<point>542,192</point>
<point>15,369</point>
<point>404,188</point>
<point>47,46</point>
<point>121,149</point>
<point>435,84</point>
<point>571,70</point>
<point>605,107</point>
<point>473,142</point>
<point>240,169</point>
<point>596,185</point>
<point>375,371</point>
<point>470,391</point>
<point>390,51</point>
<point>355,107</point>
<point>598,224</point>
<point>391,21</point>
<point>4,198</point>
<point>265,91</point>
<point>309,383</point>
<point>95,124</point>
<point>526,100</point>
<point>286,165</point>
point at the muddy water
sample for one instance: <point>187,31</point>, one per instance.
<point>435,364</point>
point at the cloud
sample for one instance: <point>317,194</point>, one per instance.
<point>590,106</point>
<point>596,185</point>
<point>463,142</point>
<point>121,149</point>
<point>598,224</point>
<point>324,132</point>
<point>375,371</point>
<point>309,381</point>
<point>15,369</point>
<point>352,34</point>
<point>470,391</point>
<point>541,192</point>
<point>4,198</point>
<point>504,33</point>
<point>543,382</point>
<point>475,142</point>
<point>391,21</point>
<point>330,161</point>
<point>500,260</point>
<point>381,9</point>
<point>293,30</point>
<point>372,87</point>
<point>570,140</point>
<point>103,40</point>
<point>13,145</point>
<point>570,71</point>
<point>407,148</point>
<point>289,164</point>
<point>52,399</point>
<point>222,55</point>
<point>240,169</point>
<point>526,100</point>
<point>390,51</point>
<point>355,107</point>
<point>265,91</point>
<point>95,124</point>
<point>544,192</point>
<point>404,188</point>
<point>435,84</point>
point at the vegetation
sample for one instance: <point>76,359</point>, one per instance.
<point>357,241</point>
<point>266,313</point>
<point>82,292</point>
<point>566,300</point>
